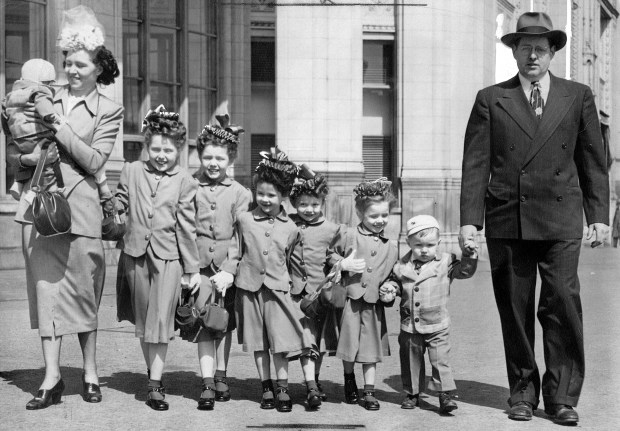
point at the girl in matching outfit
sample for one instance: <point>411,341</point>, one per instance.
<point>308,270</point>
<point>267,318</point>
<point>219,202</point>
<point>366,258</point>
<point>159,251</point>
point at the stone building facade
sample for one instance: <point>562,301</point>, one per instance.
<point>380,88</point>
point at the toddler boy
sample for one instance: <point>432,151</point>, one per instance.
<point>422,278</point>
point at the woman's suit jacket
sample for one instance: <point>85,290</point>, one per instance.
<point>529,178</point>
<point>85,142</point>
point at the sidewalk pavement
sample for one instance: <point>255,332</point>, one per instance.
<point>477,358</point>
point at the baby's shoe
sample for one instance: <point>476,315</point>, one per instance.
<point>16,190</point>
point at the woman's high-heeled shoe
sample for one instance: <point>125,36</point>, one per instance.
<point>91,393</point>
<point>47,397</point>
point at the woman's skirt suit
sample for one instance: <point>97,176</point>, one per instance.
<point>65,273</point>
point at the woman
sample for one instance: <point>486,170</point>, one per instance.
<point>65,273</point>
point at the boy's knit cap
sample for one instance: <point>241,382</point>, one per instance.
<point>421,222</point>
<point>38,70</point>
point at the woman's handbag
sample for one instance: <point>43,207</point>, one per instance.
<point>50,210</point>
<point>214,317</point>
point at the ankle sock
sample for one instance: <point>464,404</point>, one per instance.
<point>316,378</point>
<point>369,387</point>
<point>267,386</point>
<point>220,373</point>
<point>154,395</point>
<point>282,383</point>
<point>311,384</point>
<point>208,381</point>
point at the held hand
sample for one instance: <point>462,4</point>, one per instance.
<point>470,248</point>
<point>467,235</point>
<point>191,281</point>
<point>222,281</point>
<point>600,231</point>
<point>33,158</point>
<point>351,264</point>
<point>387,288</point>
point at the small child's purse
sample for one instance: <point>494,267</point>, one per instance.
<point>214,317</point>
<point>187,314</point>
<point>331,294</point>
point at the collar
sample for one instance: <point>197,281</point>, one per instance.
<point>149,168</point>
<point>545,83</point>
<point>298,220</point>
<point>362,229</point>
<point>259,214</point>
<point>407,258</point>
<point>204,180</point>
<point>91,100</point>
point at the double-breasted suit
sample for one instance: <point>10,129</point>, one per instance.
<point>529,181</point>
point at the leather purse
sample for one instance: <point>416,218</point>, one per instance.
<point>214,317</point>
<point>187,314</point>
<point>330,295</point>
<point>50,209</point>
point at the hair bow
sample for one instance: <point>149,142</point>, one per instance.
<point>379,187</point>
<point>152,118</point>
<point>277,159</point>
<point>226,131</point>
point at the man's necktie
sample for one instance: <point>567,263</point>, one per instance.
<point>536,100</point>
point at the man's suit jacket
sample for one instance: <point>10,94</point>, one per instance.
<point>529,178</point>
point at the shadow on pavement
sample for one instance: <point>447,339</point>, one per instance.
<point>470,392</point>
<point>29,380</point>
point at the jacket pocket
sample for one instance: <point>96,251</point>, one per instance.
<point>430,315</point>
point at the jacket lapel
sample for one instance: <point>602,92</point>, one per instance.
<point>515,104</point>
<point>559,102</point>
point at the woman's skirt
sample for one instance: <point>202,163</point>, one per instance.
<point>64,275</point>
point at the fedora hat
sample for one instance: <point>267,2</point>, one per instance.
<point>536,24</point>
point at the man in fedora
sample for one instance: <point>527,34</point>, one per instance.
<point>533,162</point>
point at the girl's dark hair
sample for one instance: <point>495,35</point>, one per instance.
<point>205,139</point>
<point>168,127</point>
<point>105,59</point>
<point>372,192</point>
<point>315,187</point>
<point>281,180</point>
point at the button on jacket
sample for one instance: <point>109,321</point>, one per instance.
<point>309,259</point>
<point>379,252</point>
<point>266,244</point>
<point>217,208</point>
<point>424,296</point>
<point>160,212</point>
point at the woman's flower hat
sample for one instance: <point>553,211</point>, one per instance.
<point>80,29</point>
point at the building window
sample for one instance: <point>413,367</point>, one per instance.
<point>23,30</point>
<point>378,109</point>
<point>169,57</point>
<point>263,77</point>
